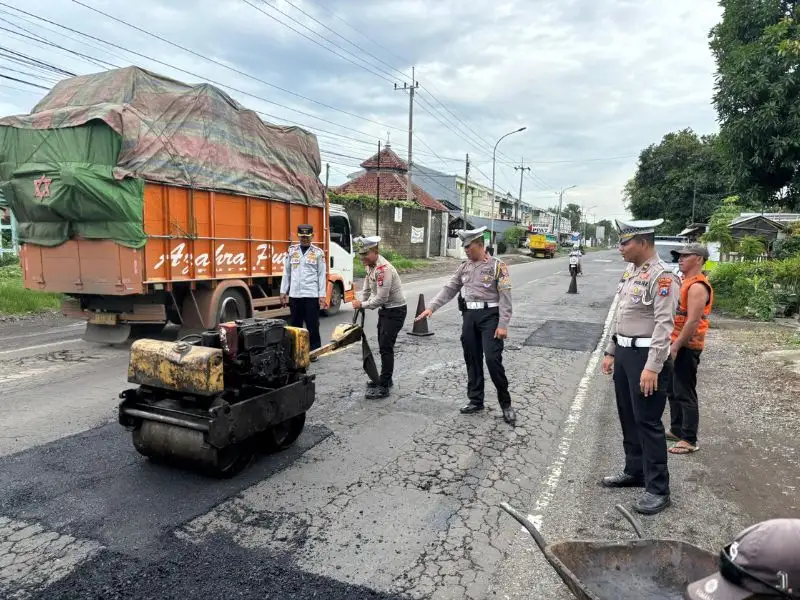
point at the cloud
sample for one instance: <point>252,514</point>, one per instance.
<point>591,80</point>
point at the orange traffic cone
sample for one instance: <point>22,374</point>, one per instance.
<point>420,327</point>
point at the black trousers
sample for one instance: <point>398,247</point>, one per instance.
<point>390,322</point>
<point>477,339</point>
<point>683,405</point>
<point>306,310</point>
<point>643,435</point>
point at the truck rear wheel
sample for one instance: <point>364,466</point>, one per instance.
<point>232,307</point>
<point>337,294</point>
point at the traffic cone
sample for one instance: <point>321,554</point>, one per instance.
<point>573,284</point>
<point>420,327</point>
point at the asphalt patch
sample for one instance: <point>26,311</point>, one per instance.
<point>95,485</point>
<point>216,569</point>
<point>566,335</point>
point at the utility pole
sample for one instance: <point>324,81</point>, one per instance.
<point>558,220</point>
<point>521,168</point>
<point>411,89</point>
<point>327,176</point>
<point>466,191</point>
<point>378,195</point>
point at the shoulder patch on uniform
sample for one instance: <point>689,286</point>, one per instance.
<point>664,285</point>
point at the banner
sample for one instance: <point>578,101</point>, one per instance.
<point>417,235</point>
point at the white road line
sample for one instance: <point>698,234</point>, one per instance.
<point>573,417</point>
<point>65,329</point>
<point>38,346</point>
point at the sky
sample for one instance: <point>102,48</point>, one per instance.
<point>594,82</point>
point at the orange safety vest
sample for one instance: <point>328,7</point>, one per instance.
<point>698,339</point>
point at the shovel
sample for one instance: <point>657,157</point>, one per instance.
<point>349,333</point>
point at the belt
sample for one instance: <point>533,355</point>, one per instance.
<point>632,342</point>
<point>481,305</point>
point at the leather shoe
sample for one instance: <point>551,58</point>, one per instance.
<point>377,392</point>
<point>621,480</point>
<point>372,384</point>
<point>650,504</point>
<point>509,416</point>
<point>471,408</point>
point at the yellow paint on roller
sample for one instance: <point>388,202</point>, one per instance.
<point>176,366</point>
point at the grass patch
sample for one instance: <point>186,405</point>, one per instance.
<point>400,262</point>
<point>16,300</point>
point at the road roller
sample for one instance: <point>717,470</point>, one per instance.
<point>212,401</point>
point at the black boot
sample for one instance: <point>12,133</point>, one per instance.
<point>379,391</point>
<point>650,504</point>
<point>621,480</point>
<point>509,416</point>
<point>371,384</point>
<point>471,408</point>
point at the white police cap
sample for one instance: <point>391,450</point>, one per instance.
<point>468,236</point>
<point>629,229</point>
<point>365,244</point>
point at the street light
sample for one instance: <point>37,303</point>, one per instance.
<point>583,215</point>
<point>494,158</point>
<point>558,216</point>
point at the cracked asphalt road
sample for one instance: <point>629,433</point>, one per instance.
<point>395,498</point>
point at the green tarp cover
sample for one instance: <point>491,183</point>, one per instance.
<point>60,183</point>
<point>96,137</point>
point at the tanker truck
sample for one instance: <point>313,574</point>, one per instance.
<point>146,201</point>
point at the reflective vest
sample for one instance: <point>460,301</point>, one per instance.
<point>698,339</point>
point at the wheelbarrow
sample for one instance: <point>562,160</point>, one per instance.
<point>650,569</point>
<point>349,333</point>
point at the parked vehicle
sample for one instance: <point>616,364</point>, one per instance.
<point>175,206</point>
<point>543,244</point>
<point>665,245</point>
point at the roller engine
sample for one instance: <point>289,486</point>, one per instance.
<point>214,399</point>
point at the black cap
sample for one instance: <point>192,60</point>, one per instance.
<point>305,230</point>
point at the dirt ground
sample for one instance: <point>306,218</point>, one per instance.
<point>750,418</point>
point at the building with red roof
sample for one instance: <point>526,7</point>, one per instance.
<point>393,170</point>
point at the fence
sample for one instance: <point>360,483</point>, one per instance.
<point>9,243</point>
<point>736,257</point>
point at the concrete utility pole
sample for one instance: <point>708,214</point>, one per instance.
<point>466,191</point>
<point>411,89</point>
<point>521,168</point>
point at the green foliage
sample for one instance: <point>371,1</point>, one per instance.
<point>16,300</point>
<point>8,259</point>
<point>367,202</point>
<point>719,224</point>
<point>514,236</point>
<point>400,262</point>
<point>787,247</point>
<point>751,247</point>
<point>683,168</point>
<point>757,289</point>
<point>758,56</point>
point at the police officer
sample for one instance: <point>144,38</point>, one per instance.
<point>382,290</point>
<point>485,302</point>
<point>306,283</point>
<point>639,356</point>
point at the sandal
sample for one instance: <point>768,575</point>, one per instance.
<point>683,447</point>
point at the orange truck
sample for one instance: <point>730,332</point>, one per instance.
<point>147,201</point>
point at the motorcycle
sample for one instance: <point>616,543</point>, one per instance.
<point>575,266</point>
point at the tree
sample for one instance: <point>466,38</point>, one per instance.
<point>751,247</point>
<point>720,222</point>
<point>757,53</point>
<point>681,171</point>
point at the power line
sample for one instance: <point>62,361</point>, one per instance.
<point>43,40</point>
<point>155,60</point>
<point>23,81</point>
<point>235,70</point>
<point>274,18</point>
<point>344,38</point>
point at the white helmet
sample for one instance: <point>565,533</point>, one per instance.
<point>575,246</point>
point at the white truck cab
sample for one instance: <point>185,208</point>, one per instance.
<point>340,265</point>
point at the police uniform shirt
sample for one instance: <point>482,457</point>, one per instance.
<point>304,274</point>
<point>483,281</point>
<point>382,286</point>
<point>647,298</point>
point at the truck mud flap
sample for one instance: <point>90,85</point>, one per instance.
<point>107,334</point>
